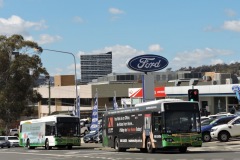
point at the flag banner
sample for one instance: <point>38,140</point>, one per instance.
<point>105,107</point>
<point>94,124</point>
<point>78,106</point>
<point>115,105</point>
<point>124,104</point>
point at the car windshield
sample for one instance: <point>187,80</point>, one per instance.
<point>12,138</point>
<point>2,138</point>
<point>206,122</point>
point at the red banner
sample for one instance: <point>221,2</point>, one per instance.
<point>138,92</point>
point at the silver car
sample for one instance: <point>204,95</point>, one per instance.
<point>4,142</point>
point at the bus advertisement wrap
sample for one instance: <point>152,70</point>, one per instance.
<point>153,125</point>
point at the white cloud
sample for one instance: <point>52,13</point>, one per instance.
<point>155,48</point>
<point>198,57</point>
<point>17,25</point>
<point>1,3</point>
<point>115,11</point>
<point>78,19</point>
<point>230,12</point>
<point>232,25</point>
<point>216,61</point>
<point>45,38</point>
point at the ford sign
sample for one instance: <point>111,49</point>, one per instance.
<point>147,63</point>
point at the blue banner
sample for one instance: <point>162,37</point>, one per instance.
<point>94,124</point>
<point>115,105</point>
<point>78,106</point>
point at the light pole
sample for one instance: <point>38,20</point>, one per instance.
<point>76,101</point>
<point>49,95</point>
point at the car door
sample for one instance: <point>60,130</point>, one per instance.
<point>235,127</point>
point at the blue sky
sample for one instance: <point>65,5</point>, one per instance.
<point>187,33</point>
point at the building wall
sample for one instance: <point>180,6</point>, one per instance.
<point>64,80</point>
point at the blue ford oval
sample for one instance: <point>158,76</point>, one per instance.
<point>147,63</point>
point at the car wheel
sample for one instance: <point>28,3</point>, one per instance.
<point>223,136</point>
<point>206,137</point>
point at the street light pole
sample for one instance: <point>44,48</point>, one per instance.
<point>78,109</point>
<point>49,94</point>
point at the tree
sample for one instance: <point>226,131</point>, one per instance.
<point>19,70</point>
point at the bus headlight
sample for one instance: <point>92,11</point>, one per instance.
<point>198,139</point>
<point>168,139</point>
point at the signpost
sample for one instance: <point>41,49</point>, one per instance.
<point>147,63</point>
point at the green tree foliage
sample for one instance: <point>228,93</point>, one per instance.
<point>232,68</point>
<point>18,74</point>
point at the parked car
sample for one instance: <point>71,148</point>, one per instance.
<point>4,142</point>
<point>85,125</point>
<point>88,138</point>
<point>13,132</point>
<point>14,141</point>
<point>98,137</point>
<point>225,131</point>
<point>206,129</point>
<point>206,122</point>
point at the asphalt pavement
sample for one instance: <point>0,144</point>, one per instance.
<point>217,144</point>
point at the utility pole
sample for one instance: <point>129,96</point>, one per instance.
<point>49,94</point>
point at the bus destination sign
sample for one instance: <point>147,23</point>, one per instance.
<point>147,63</point>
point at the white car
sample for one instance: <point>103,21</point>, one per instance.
<point>225,131</point>
<point>14,141</point>
<point>84,124</point>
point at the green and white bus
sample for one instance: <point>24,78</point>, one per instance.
<point>50,131</point>
<point>161,124</point>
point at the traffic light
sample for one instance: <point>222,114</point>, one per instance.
<point>193,95</point>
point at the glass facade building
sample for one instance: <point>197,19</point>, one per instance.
<point>95,65</point>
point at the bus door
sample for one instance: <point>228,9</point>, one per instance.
<point>157,129</point>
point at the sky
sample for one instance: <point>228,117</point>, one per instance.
<point>187,33</point>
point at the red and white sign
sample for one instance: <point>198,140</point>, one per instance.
<point>138,92</point>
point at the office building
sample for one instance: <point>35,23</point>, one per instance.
<point>94,66</point>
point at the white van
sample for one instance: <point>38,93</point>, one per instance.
<point>14,141</point>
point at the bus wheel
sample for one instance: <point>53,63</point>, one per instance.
<point>47,147</point>
<point>69,147</point>
<point>149,146</point>
<point>183,149</point>
<point>116,145</point>
<point>28,144</point>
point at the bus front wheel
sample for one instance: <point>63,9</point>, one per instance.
<point>116,146</point>
<point>149,147</point>
<point>28,145</point>
<point>47,147</point>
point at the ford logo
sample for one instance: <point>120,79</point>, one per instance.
<point>147,63</point>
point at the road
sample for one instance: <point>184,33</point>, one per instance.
<point>209,151</point>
